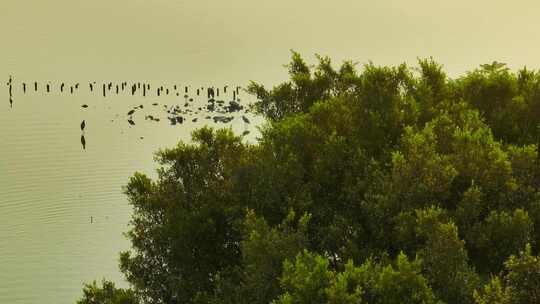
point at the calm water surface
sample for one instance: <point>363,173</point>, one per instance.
<point>62,211</point>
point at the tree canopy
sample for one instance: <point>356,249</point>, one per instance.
<point>385,185</point>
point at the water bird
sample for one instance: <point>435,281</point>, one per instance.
<point>131,112</point>
<point>24,87</point>
<point>91,87</point>
<point>131,122</point>
<point>246,132</point>
<point>83,142</point>
<point>84,106</point>
<point>35,86</point>
<point>194,119</point>
<point>83,125</point>
<point>245,119</point>
<point>62,87</point>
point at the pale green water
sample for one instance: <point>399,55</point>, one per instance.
<point>49,187</point>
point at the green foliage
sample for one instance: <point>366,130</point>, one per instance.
<point>107,293</point>
<point>499,236</point>
<point>309,280</point>
<point>185,225</point>
<point>520,281</point>
<point>353,167</point>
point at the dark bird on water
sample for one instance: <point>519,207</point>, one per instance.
<point>48,88</point>
<point>83,124</point>
<point>62,87</point>
<point>91,87</point>
<point>131,122</point>
<point>35,86</point>
<point>246,132</point>
<point>245,119</point>
<point>83,142</point>
<point>24,87</point>
<point>84,106</point>
<point>130,112</point>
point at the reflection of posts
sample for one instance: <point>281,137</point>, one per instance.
<point>10,82</point>
<point>83,142</point>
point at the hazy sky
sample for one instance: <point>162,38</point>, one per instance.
<point>224,41</point>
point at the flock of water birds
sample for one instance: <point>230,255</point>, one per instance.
<point>223,104</point>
